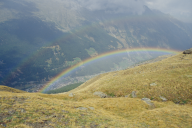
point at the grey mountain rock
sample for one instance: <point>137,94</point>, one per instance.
<point>189,76</point>
<point>133,94</point>
<point>163,98</point>
<point>188,51</point>
<point>71,95</point>
<point>153,84</point>
<point>92,108</point>
<point>100,94</point>
<point>148,101</point>
<point>82,108</point>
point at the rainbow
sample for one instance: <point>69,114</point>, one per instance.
<point>66,72</point>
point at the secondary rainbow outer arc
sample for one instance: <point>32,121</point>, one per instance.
<point>65,72</point>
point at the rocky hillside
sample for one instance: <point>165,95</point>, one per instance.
<point>157,94</point>
<point>39,39</point>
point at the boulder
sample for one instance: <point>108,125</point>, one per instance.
<point>163,98</point>
<point>92,108</point>
<point>71,95</point>
<point>82,108</point>
<point>189,76</point>
<point>100,94</point>
<point>188,51</point>
<point>153,84</point>
<point>148,101</point>
<point>133,94</point>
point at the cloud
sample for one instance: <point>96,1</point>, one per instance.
<point>180,9</point>
<point>114,6</point>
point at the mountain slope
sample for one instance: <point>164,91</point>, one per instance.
<point>8,89</point>
<point>84,109</point>
<point>171,78</point>
<point>39,39</point>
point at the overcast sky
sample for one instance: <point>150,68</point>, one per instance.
<point>180,9</point>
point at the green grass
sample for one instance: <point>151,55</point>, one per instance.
<point>64,89</point>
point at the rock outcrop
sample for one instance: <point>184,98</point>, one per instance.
<point>133,94</point>
<point>153,84</point>
<point>163,98</point>
<point>188,51</point>
<point>71,95</point>
<point>148,101</point>
<point>100,94</point>
<point>82,108</point>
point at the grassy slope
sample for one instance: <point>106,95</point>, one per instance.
<point>173,79</point>
<point>64,89</point>
<point>8,89</point>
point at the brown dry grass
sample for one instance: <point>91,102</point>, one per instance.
<point>8,89</point>
<point>173,77</point>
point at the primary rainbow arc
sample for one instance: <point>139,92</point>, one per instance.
<point>67,71</point>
